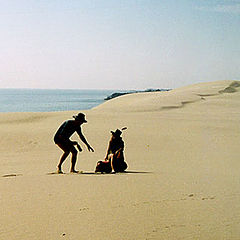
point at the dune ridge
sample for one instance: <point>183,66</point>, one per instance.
<point>157,101</point>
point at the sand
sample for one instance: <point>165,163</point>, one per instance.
<point>182,148</point>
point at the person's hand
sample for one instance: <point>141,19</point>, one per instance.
<point>90,149</point>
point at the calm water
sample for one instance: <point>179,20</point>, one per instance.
<point>42,100</point>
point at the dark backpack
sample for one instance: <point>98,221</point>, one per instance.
<point>103,167</point>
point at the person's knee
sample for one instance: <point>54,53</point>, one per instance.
<point>66,153</point>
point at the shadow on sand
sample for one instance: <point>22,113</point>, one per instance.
<point>100,174</point>
<point>119,173</point>
<point>11,175</point>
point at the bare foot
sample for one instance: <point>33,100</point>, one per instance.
<point>59,171</point>
<point>74,171</point>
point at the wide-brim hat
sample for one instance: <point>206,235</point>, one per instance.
<point>116,133</point>
<point>80,117</point>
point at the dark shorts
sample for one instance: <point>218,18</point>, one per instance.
<point>66,145</point>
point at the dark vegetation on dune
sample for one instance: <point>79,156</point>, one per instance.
<point>117,94</point>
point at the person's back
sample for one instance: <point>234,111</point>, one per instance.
<point>66,130</point>
<point>116,144</point>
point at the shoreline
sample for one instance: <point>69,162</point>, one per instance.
<point>84,104</point>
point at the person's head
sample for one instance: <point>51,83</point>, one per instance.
<point>116,134</point>
<point>80,118</point>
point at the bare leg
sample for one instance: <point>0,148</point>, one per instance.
<point>110,159</point>
<point>62,159</point>
<point>74,160</point>
<point>65,146</point>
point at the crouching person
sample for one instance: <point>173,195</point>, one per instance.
<point>115,152</point>
<point>114,160</point>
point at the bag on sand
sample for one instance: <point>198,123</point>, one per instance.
<point>103,167</point>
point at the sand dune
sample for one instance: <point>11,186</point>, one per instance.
<point>155,101</point>
<point>183,152</point>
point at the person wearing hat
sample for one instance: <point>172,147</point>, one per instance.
<point>115,152</point>
<point>62,139</point>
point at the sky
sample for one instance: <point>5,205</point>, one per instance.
<point>118,44</point>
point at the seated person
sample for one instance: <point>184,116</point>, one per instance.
<point>115,152</point>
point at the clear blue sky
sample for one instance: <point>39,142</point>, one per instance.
<point>118,44</point>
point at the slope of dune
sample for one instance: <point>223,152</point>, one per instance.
<point>182,148</point>
<point>156,101</point>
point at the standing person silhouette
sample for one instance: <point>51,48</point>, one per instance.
<point>62,139</point>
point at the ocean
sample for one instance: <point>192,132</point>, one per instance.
<point>50,100</point>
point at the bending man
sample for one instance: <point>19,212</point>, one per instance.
<point>62,139</point>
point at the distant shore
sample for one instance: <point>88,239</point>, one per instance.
<point>117,94</point>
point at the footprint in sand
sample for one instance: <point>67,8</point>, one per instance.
<point>208,198</point>
<point>202,198</point>
<point>84,209</point>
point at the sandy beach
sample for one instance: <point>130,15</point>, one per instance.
<point>182,148</point>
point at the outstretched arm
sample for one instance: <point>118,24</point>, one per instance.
<point>85,141</point>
